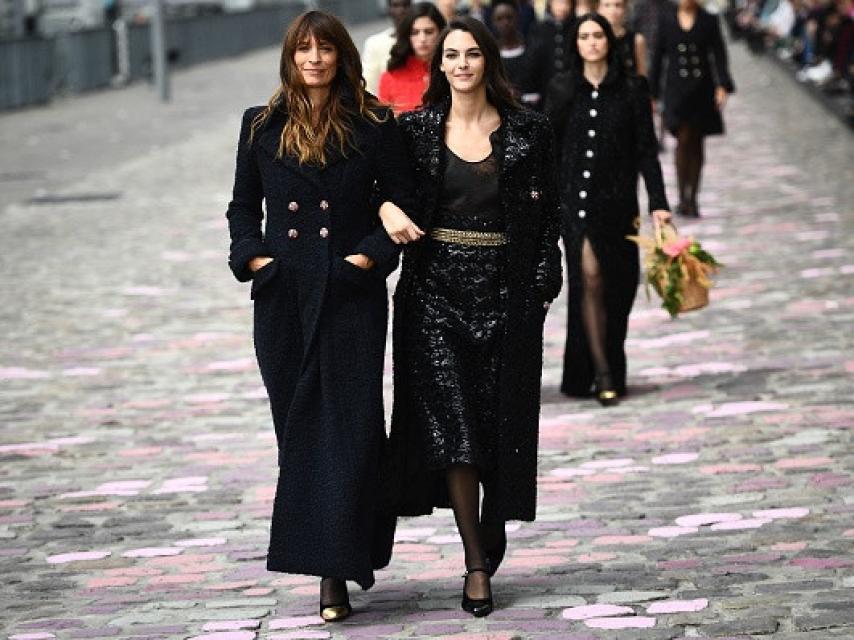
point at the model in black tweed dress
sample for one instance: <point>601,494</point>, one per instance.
<point>604,119</point>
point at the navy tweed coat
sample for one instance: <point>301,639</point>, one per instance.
<point>320,336</point>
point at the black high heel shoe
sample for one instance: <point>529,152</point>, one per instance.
<point>478,607</point>
<point>604,390</point>
<point>338,611</point>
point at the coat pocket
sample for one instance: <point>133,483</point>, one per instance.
<point>263,277</point>
<point>366,279</point>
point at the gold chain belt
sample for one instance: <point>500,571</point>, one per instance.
<point>474,238</point>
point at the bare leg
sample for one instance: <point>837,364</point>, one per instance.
<point>464,492</point>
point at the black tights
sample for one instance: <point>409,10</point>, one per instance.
<point>689,166</point>
<point>593,312</point>
<point>464,493</point>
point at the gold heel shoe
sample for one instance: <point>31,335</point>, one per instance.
<point>605,393</point>
<point>338,611</point>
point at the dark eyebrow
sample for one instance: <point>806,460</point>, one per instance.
<point>449,49</point>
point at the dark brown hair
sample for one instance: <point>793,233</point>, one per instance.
<point>499,91</point>
<point>348,100</point>
<point>402,48</point>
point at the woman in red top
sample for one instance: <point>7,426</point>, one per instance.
<point>408,73</point>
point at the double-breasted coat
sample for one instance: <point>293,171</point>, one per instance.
<point>527,185</point>
<point>320,325</point>
<point>696,62</point>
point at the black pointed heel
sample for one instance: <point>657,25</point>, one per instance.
<point>338,611</point>
<point>478,607</point>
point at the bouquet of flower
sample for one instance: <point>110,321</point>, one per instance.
<point>678,269</point>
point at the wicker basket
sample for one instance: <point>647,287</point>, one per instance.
<point>694,295</point>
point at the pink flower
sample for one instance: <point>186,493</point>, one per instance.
<point>676,247</point>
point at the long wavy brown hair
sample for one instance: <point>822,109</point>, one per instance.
<point>348,99</point>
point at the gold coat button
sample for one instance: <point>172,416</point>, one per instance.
<point>293,234</point>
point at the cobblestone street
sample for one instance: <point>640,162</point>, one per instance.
<point>137,456</point>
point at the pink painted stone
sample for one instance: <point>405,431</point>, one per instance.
<point>671,532</point>
<point>78,556</point>
<point>700,519</point>
<point>231,625</point>
<point>534,562</point>
<point>774,514</point>
<point>743,408</point>
<point>179,578</point>
<point>21,373</point>
<point>100,583</point>
<point>609,540</point>
<point>822,563</point>
<point>568,542</point>
<point>789,546</point>
<point>152,552</point>
<point>226,635</point>
<point>604,477</point>
<point>675,458</point>
<point>81,371</point>
<point>589,611</point>
<point>678,606</point>
<point>803,463</point>
<point>848,533</point>
<point>301,635</point>
<point>295,622</point>
<point>608,464</point>
<point>747,523</point>
<point>631,622</point>
<point>586,558</point>
<point>12,504</point>
<point>201,542</point>
<point>38,635</point>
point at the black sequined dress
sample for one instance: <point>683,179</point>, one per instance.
<point>457,322</point>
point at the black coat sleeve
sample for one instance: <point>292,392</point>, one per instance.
<point>549,270</point>
<point>720,62</point>
<point>647,146</point>
<point>658,55</point>
<point>245,213</point>
<point>395,184</point>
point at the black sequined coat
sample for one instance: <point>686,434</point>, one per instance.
<point>529,197</point>
<point>320,336</point>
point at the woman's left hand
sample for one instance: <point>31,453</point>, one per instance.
<point>721,96</point>
<point>360,260</point>
<point>661,217</point>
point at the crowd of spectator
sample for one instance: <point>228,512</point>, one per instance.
<point>816,36</point>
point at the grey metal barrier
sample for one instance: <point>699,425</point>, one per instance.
<point>26,70</point>
<point>83,60</point>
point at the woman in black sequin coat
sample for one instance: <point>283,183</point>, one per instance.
<point>471,301</point>
<point>604,122</point>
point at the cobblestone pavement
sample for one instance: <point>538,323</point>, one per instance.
<point>138,458</point>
